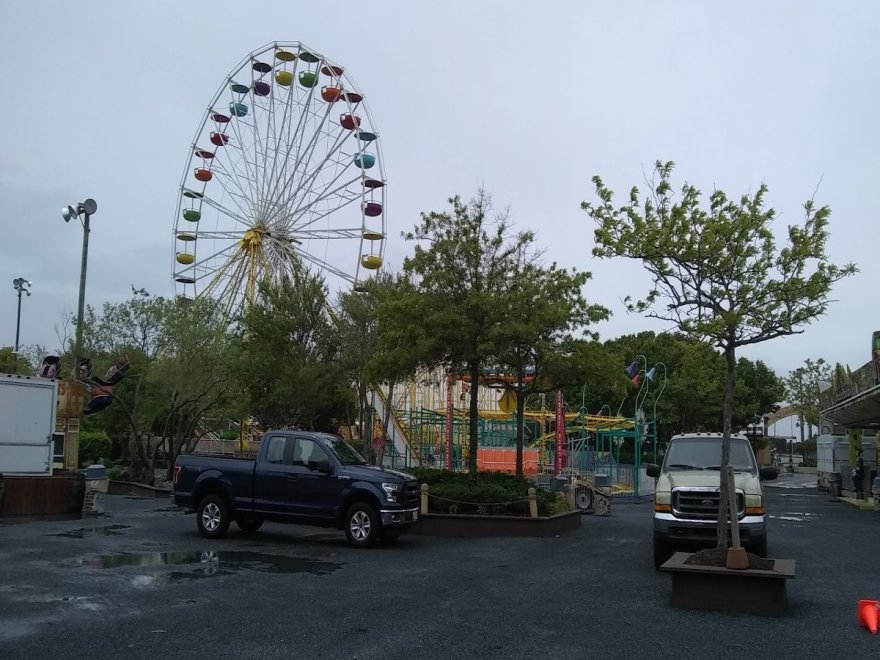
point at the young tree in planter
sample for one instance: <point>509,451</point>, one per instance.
<point>460,265</point>
<point>543,304</point>
<point>717,272</point>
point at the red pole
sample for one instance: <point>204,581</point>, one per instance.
<point>559,454</point>
<point>449,422</point>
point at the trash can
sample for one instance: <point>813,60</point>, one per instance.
<point>97,485</point>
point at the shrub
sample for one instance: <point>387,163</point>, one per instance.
<point>491,493</point>
<point>93,446</point>
<point>115,473</point>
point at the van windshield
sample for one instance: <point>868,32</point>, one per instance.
<point>705,454</point>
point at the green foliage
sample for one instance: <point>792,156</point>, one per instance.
<point>115,473</point>
<point>544,304</point>
<point>802,388</point>
<point>461,267</point>
<point>717,273</point>
<point>287,361</point>
<point>10,363</point>
<point>489,493</point>
<point>93,446</point>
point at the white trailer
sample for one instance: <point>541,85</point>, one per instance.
<point>832,457</point>
<point>27,423</point>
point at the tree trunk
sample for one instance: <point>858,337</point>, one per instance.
<point>729,391</point>
<point>473,420</point>
<point>386,420</point>
<point>362,425</point>
<point>520,424</point>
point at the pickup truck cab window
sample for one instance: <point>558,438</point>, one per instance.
<point>307,450</point>
<point>275,450</point>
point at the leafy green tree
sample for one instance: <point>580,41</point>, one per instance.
<point>460,266</point>
<point>802,390</point>
<point>542,304</point>
<point>758,391</point>
<point>287,362</point>
<point>10,363</point>
<point>192,376</point>
<point>717,273</point>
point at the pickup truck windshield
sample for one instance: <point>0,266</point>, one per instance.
<point>344,452</point>
<point>705,454</point>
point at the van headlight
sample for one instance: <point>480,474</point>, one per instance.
<point>391,491</point>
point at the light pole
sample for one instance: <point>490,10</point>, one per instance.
<point>21,285</point>
<point>85,209</point>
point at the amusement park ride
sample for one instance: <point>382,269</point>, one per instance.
<point>286,170</point>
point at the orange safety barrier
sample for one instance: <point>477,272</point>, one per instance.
<point>503,459</point>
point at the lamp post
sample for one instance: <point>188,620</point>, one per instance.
<point>85,209</point>
<point>21,285</point>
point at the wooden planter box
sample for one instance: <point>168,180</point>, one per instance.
<point>715,588</point>
<point>466,526</point>
<point>58,495</point>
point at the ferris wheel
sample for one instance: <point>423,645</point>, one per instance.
<point>285,172</point>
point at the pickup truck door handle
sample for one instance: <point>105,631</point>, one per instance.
<point>292,477</point>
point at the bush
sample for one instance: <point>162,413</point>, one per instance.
<point>116,473</point>
<point>491,493</point>
<point>93,446</point>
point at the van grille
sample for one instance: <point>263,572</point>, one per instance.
<point>701,504</point>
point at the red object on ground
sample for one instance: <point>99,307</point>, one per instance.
<point>868,614</point>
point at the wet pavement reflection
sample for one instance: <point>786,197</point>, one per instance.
<point>82,532</point>
<point>207,563</point>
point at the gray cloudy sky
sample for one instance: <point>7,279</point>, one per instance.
<point>529,100</point>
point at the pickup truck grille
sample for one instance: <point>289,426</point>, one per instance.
<point>701,504</point>
<point>410,497</point>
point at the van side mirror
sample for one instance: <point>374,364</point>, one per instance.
<point>652,470</point>
<point>769,473</point>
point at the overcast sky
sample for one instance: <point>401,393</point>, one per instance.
<point>527,100</point>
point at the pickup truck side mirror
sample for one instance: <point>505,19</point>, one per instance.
<point>652,470</point>
<point>769,473</point>
<point>320,465</point>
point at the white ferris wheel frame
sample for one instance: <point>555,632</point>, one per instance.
<point>282,186</point>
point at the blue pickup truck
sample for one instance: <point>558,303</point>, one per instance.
<point>298,477</point>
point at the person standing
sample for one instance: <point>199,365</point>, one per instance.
<point>858,473</point>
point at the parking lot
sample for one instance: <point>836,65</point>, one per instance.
<point>141,583</point>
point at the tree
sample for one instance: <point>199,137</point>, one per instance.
<point>287,362</point>
<point>10,363</point>
<point>543,304</point>
<point>718,272</point>
<point>192,375</point>
<point>460,266</point>
<point>802,390</point>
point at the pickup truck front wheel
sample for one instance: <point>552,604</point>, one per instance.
<point>212,516</point>
<point>362,525</point>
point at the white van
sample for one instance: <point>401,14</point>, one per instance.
<point>688,492</point>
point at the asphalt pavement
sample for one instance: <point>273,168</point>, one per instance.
<point>140,582</point>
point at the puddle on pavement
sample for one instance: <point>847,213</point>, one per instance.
<point>792,516</point>
<point>82,532</point>
<point>207,563</point>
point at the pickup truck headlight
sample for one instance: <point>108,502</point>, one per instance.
<point>755,505</point>
<point>391,491</point>
<point>663,501</point>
